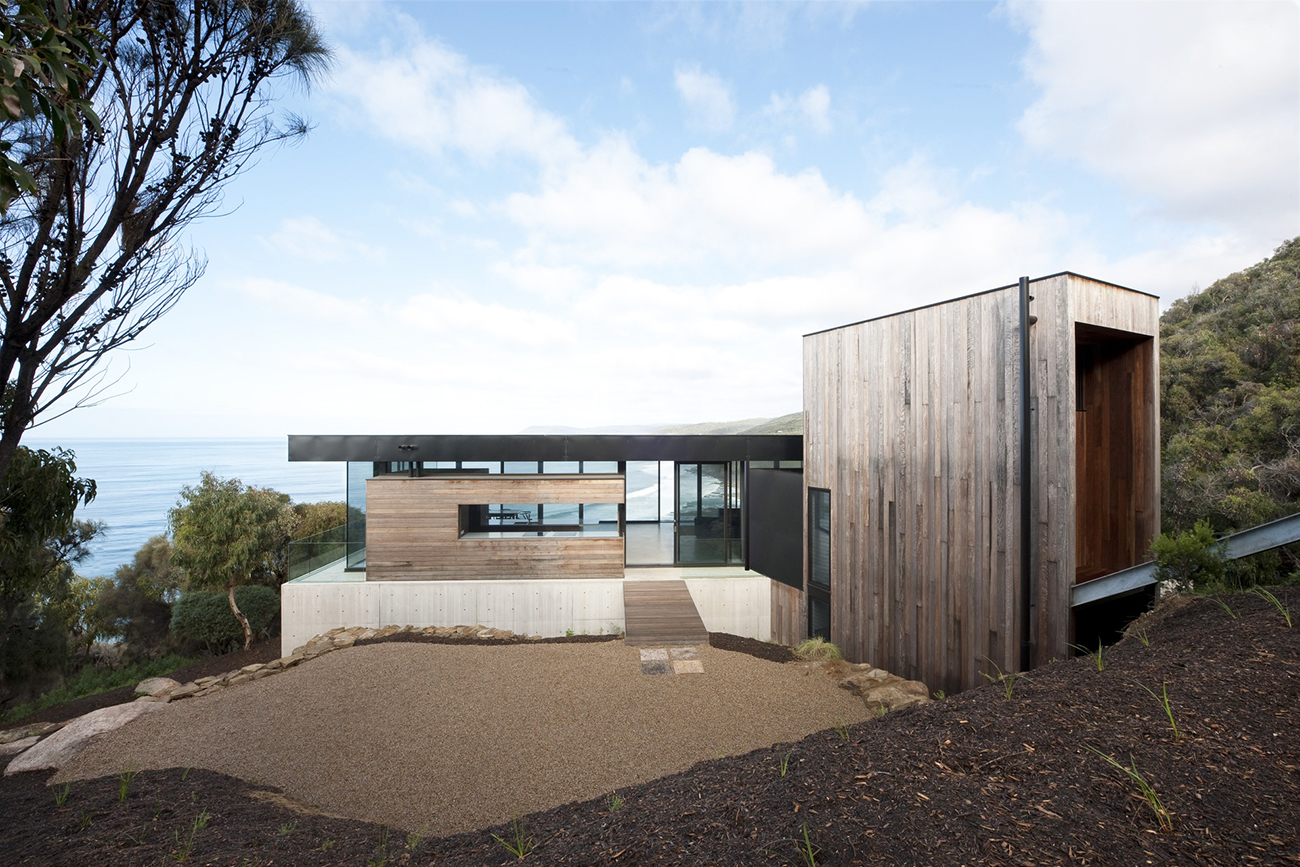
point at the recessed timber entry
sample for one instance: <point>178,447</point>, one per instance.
<point>659,613</point>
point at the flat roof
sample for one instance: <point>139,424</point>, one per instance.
<point>1032,280</point>
<point>547,447</point>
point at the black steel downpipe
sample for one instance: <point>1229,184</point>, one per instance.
<point>1026,468</point>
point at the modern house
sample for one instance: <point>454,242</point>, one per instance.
<point>537,533</point>
<point>964,466</point>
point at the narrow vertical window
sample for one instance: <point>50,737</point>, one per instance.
<point>819,563</point>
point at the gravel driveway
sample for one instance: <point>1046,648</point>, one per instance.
<point>446,738</point>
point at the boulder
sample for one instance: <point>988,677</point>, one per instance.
<point>57,749</point>
<point>39,729</point>
<point>897,695</point>
<point>186,691</point>
<point>863,682</point>
<point>156,686</point>
<point>14,747</point>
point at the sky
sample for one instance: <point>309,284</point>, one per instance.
<point>515,215</point>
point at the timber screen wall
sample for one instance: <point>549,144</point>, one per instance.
<point>913,426</point>
<point>419,528</point>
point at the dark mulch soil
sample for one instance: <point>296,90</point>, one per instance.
<point>751,646</point>
<point>262,651</point>
<point>977,778</point>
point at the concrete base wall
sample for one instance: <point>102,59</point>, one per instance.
<point>550,607</point>
<point>739,606</point>
<point>546,607</point>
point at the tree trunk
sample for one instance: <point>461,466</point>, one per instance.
<point>239,615</point>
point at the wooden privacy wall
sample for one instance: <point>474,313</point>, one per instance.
<point>913,424</point>
<point>412,529</point>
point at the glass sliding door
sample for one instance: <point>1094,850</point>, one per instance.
<point>708,514</point>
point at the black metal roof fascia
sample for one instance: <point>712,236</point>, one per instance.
<point>976,295</point>
<point>548,447</point>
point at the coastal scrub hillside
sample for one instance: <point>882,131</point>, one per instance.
<point>1230,398</point>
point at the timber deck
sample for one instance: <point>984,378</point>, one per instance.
<point>661,613</point>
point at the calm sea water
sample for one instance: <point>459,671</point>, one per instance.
<point>140,480</point>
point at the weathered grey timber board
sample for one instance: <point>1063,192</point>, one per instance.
<point>913,424</point>
<point>412,529</point>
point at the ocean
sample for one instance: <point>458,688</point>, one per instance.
<point>139,480</point>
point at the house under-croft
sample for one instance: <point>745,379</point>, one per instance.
<point>964,467</point>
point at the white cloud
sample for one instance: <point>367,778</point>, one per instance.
<point>309,238</point>
<point>706,97</point>
<point>434,99</point>
<point>303,303</point>
<point>1194,104</point>
<point>812,107</point>
<point>815,103</point>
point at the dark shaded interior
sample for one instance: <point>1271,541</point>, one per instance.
<point>1116,507</point>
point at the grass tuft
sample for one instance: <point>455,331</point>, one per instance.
<point>184,847</point>
<point>784,764</point>
<point>1006,678</point>
<point>519,844</point>
<point>1277,603</point>
<point>615,802</point>
<point>1163,701</point>
<point>124,781</point>
<point>1095,656</point>
<point>61,794</point>
<point>1225,607</point>
<point>1146,790</point>
<point>807,856</point>
<point>817,650</point>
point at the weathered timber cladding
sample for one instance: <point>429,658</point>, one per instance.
<point>412,529</point>
<point>912,422</point>
<point>789,617</point>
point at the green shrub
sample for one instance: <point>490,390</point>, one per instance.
<point>205,618</point>
<point>817,650</point>
<point>1193,560</point>
<point>91,680</point>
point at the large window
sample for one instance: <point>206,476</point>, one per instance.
<point>504,520</point>
<point>819,563</point>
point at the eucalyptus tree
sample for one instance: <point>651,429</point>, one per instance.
<point>94,251</point>
<point>225,534</point>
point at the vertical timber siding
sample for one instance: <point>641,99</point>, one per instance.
<point>413,533</point>
<point>912,422</point>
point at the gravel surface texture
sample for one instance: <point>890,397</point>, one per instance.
<point>447,738</point>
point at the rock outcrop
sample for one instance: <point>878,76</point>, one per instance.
<point>55,751</point>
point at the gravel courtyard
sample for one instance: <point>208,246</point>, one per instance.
<point>444,738</point>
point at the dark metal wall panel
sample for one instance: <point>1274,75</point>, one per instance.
<point>775,510</point>
<point>548,447</point>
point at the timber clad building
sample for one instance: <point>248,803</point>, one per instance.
<point>930,500</point>
<point>963,467</point>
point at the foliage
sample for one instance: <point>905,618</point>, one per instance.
<point>817,650</point>
<point>92,680</point>
<point>1230,405</point>
<point>225,534</point>
<point>205,618</point>
<point>46,55</point>
<point>40,539</point>
<point>95,251</point>
<point>312,518</point>
<point>135,606</point>
<point>519,843</point>
<point>1191,560</point>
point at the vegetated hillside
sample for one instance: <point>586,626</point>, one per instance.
<point>1200,703</point>
<point>785,424</point>
<point>1230,398</point>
